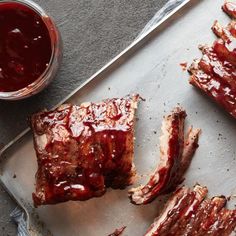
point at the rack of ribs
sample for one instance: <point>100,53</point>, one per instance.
<point>215,72</point>
<point>176,153</point>
<point>190,213</point>
<point>82,150</point>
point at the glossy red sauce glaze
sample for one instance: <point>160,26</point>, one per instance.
<point>192,213</point>
<point>174,215</point>
<point>216,76</point>
<point>215,72</point>
<point>167,174</point>
<point>84,149</point>
<point>230,8</point>
<point>25,46</point>
<point>170,170</point>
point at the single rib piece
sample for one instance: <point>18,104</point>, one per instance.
<point>227,34</point>
<point>190,146</point>
<point>83,149</point>
<point>118,231</point>
<point>190,213</point>
<point>229,8</point>
<point>173,160</point>
<point>215,72</point>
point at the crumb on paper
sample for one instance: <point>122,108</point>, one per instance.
<point>143,99</point>
<point>184,65</point>
<point>14,176</point>
<point>118,231</point>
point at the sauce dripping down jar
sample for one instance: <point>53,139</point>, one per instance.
<point>30,49</point>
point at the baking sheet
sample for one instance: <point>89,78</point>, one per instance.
<point>154,72</point>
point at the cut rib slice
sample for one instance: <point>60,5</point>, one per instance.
<point>173,161</point>
<point>83,149</point>
<point>229,8</point>
<point>190,213</point>
<point>179,203</point>
<point>227,34</point>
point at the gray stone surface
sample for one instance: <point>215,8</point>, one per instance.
<point>93,32</point>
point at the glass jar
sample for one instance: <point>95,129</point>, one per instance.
<point>56,54</point>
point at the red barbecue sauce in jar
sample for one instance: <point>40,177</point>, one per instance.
<point>25,46</point>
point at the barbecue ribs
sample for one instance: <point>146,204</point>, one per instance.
<point>229,8</point>
<point>189,213</point>
<point>82,150</point>
<point>215,72</point>
<point>176,155</point>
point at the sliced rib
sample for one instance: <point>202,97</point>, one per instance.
<point>177,205</point>
<point>173,161</point>
<point>215,72</point>
<point>229,8</point>
<point>206,226</point>
<point>196,216</point>
<point>225,222</point>
<point>179,226</point>
<point>227,34</point>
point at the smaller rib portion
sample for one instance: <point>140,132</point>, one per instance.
<point>230,8</point>
<point>175,158</point>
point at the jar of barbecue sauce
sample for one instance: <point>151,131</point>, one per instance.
<point>30,49</point>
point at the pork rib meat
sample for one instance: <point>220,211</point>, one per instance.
<point>82,150</point>
<point>190,213</point>
<point>175,157</point>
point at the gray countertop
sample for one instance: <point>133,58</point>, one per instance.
<point>93,32</point>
